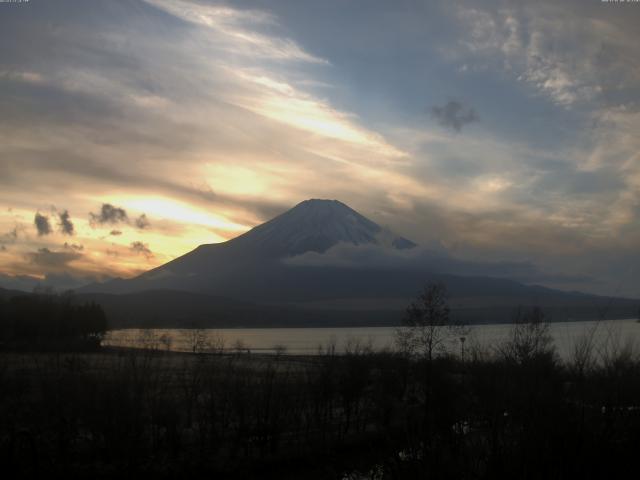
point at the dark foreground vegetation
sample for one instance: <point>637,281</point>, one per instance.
<point>70,408</point>
<point>517,413</point>
<point>46,321</point>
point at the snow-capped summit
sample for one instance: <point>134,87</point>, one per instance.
<point>317,225</point>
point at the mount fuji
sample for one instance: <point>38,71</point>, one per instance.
<point>254,263</point>
<point>256,279</point>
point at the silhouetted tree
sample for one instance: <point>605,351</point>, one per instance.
<point>196,339</point>
<point>530,338</point>
<point>427,323</point>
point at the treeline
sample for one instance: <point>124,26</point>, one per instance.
<point>47,320</point>
<point>514,412</point>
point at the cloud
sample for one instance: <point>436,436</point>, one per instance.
<point>232,23</point>
<point>69,281</point>
<point>25,283</point>
<point>42,224</point>
<point>62,269</point>
<point>433,260</point>
<point>49,259</point>
<point>73,246</point>
<point>65,224</point>
<point>142,222</point>
<point>141,249</point>
<point>56,281</point>
<point>109,214</point>
<point>569,54</point>
<point>10,236</point>
<point>454,115</point>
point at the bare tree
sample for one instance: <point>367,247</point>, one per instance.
<point>196,339</point>
<point>166,341</point>
<point>279,349</point>
<point>148,339</point>
<point>215,343</point>
<point>427,324</point>
<point>530,338</point>
<point>240,346</point>
<point>583,360</point>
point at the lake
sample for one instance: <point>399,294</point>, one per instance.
<point>607,335</point>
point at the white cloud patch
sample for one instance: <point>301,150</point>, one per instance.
<point>235,26</point>
<point>565,53</point>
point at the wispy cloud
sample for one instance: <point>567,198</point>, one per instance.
<point>235,26</point>
<point>563,51</point>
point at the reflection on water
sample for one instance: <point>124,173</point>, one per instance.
<point>607,335</point>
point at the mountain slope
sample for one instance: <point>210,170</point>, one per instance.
<point>223,268</point>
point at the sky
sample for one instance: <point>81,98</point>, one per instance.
<point>132,131</point>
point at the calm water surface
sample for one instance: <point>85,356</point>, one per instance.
<point>606,335</point>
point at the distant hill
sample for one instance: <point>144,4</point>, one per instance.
<point>256,280</point>
<point>7,293</point>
